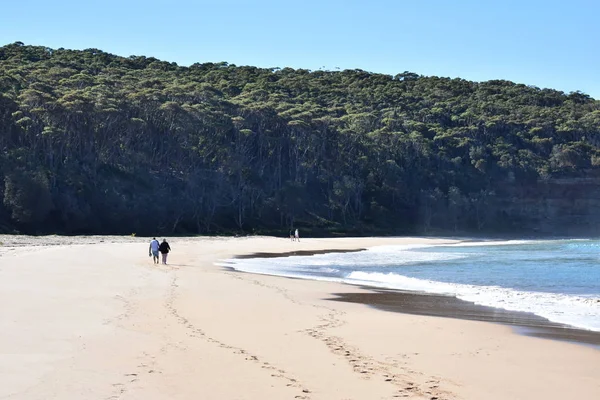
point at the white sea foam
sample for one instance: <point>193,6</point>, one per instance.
<point>494,243</point>
<point>381,256</point>
<point>578,311</point>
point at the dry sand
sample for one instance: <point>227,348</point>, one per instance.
<point>94,318</point>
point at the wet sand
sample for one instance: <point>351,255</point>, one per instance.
<point>451,307</point>
<point>296,253</point>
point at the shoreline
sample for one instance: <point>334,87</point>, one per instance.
<point>295,253</point>
<point>434,305</point>
<point>437,305</point>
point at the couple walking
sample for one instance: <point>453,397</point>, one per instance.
<point>156,247</point>
<point>295,235</point>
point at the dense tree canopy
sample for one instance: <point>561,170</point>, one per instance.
<point>97,143</point>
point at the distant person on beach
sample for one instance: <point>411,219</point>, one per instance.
<point>153,250</point>
<point>297,235</point>
<point>164,249</point>
<point>291,236</point>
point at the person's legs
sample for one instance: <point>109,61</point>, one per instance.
<point>164,258</point>
<point>155,257</point>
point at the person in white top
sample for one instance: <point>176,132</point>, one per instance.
<point>297,235</point>
<point>153,250</point>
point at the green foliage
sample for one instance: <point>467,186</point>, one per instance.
<point>28,197</point>
<point>140,145</point>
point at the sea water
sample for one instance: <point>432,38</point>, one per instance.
<point>556,279</point>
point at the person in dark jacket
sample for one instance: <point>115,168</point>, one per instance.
<point>164,249</point>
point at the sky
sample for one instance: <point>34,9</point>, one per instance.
<point>548,44</point>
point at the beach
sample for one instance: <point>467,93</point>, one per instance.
<point>94,318</point>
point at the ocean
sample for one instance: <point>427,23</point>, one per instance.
<point>555,279</point>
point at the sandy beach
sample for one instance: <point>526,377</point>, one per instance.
<point>94,318</point>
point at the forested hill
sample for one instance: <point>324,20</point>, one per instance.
<point>96,143</point>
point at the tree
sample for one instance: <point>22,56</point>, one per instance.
<point>27,196</point>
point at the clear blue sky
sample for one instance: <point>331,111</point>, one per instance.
<point>547,43</point>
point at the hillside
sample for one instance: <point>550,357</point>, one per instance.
<point>97,143</point>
